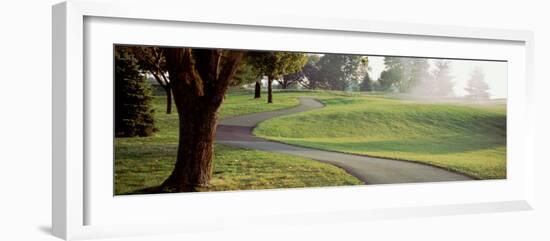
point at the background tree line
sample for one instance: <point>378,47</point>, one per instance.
<point>416,76</point>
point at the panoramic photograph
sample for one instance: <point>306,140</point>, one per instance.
<point>202,119</point>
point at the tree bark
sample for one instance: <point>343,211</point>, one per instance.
<point>168,99</point>
<point>197,126</point>
<point>269,90</point>
<point>199,81</point>
<point>258,89</point>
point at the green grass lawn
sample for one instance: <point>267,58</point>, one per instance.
<point>145,162</point>
<point>234,169</point>
<point>242,102</point>
<point>467,138</point>
<point>464,137</point>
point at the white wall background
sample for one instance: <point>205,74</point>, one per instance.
<point>25,119</point>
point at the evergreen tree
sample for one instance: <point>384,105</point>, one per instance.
<point>133,109</point>
<point>441,84</point>
<point>391,76</point>
<point>477,88</point>
<point>367,84</point>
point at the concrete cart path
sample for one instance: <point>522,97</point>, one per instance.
<point>237,132</point>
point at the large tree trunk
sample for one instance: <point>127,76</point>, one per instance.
<point>258,89</point>
<point>269,90</point>
<point>168,99</point>
<point>199,81</point>
<point>197,126</point>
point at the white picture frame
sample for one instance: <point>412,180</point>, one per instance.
<point>75,201</point>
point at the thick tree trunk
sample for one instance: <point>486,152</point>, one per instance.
<point>258,89</point>
<point>198,82</point>
<point>168,99</point>
<point>269,90</point>
<point>197,126</point>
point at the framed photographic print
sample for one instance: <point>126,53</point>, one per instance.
<point>168,123</point>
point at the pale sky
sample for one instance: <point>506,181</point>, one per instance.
<point>496,74</point>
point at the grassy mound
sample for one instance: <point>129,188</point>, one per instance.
<point>464,137</point>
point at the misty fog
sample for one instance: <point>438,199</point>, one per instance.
<point>495,75</point>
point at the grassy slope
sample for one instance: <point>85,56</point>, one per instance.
<point>467,138</point>
<point>146,162</point>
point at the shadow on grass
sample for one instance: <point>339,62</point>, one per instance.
<point>158,190</point>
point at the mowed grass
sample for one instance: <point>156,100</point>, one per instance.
<point>234,169</point>
<point>464,137</point>
<point>241,102</point>
<point>236,103</point>
<point>145,162</point>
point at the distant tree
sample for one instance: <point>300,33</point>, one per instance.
<point>389,79</point>
<point>414,73</point>
<point>441,83</point>
<point>403,74</point>
<point>357,73</point>
<point>393,62</point>
<point>133,97</point>
<point>291,79</point>
<point>275,64</point>
<point>247,74</point>
<point>476,87</point>
<point>367,83</point>
<point>391,76</point>
<point>152,60</point>
<point>340,71</point>
<point>311,73</point>
<point>258,88</point>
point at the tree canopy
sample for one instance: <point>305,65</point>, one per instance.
<point>151,60</point>
<point>276,64</point>
<point>340,71</point>
<point>403,74</point>
<point>246,73</point>
<point>311,72</point>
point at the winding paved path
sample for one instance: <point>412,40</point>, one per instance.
<point>237,132</point>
